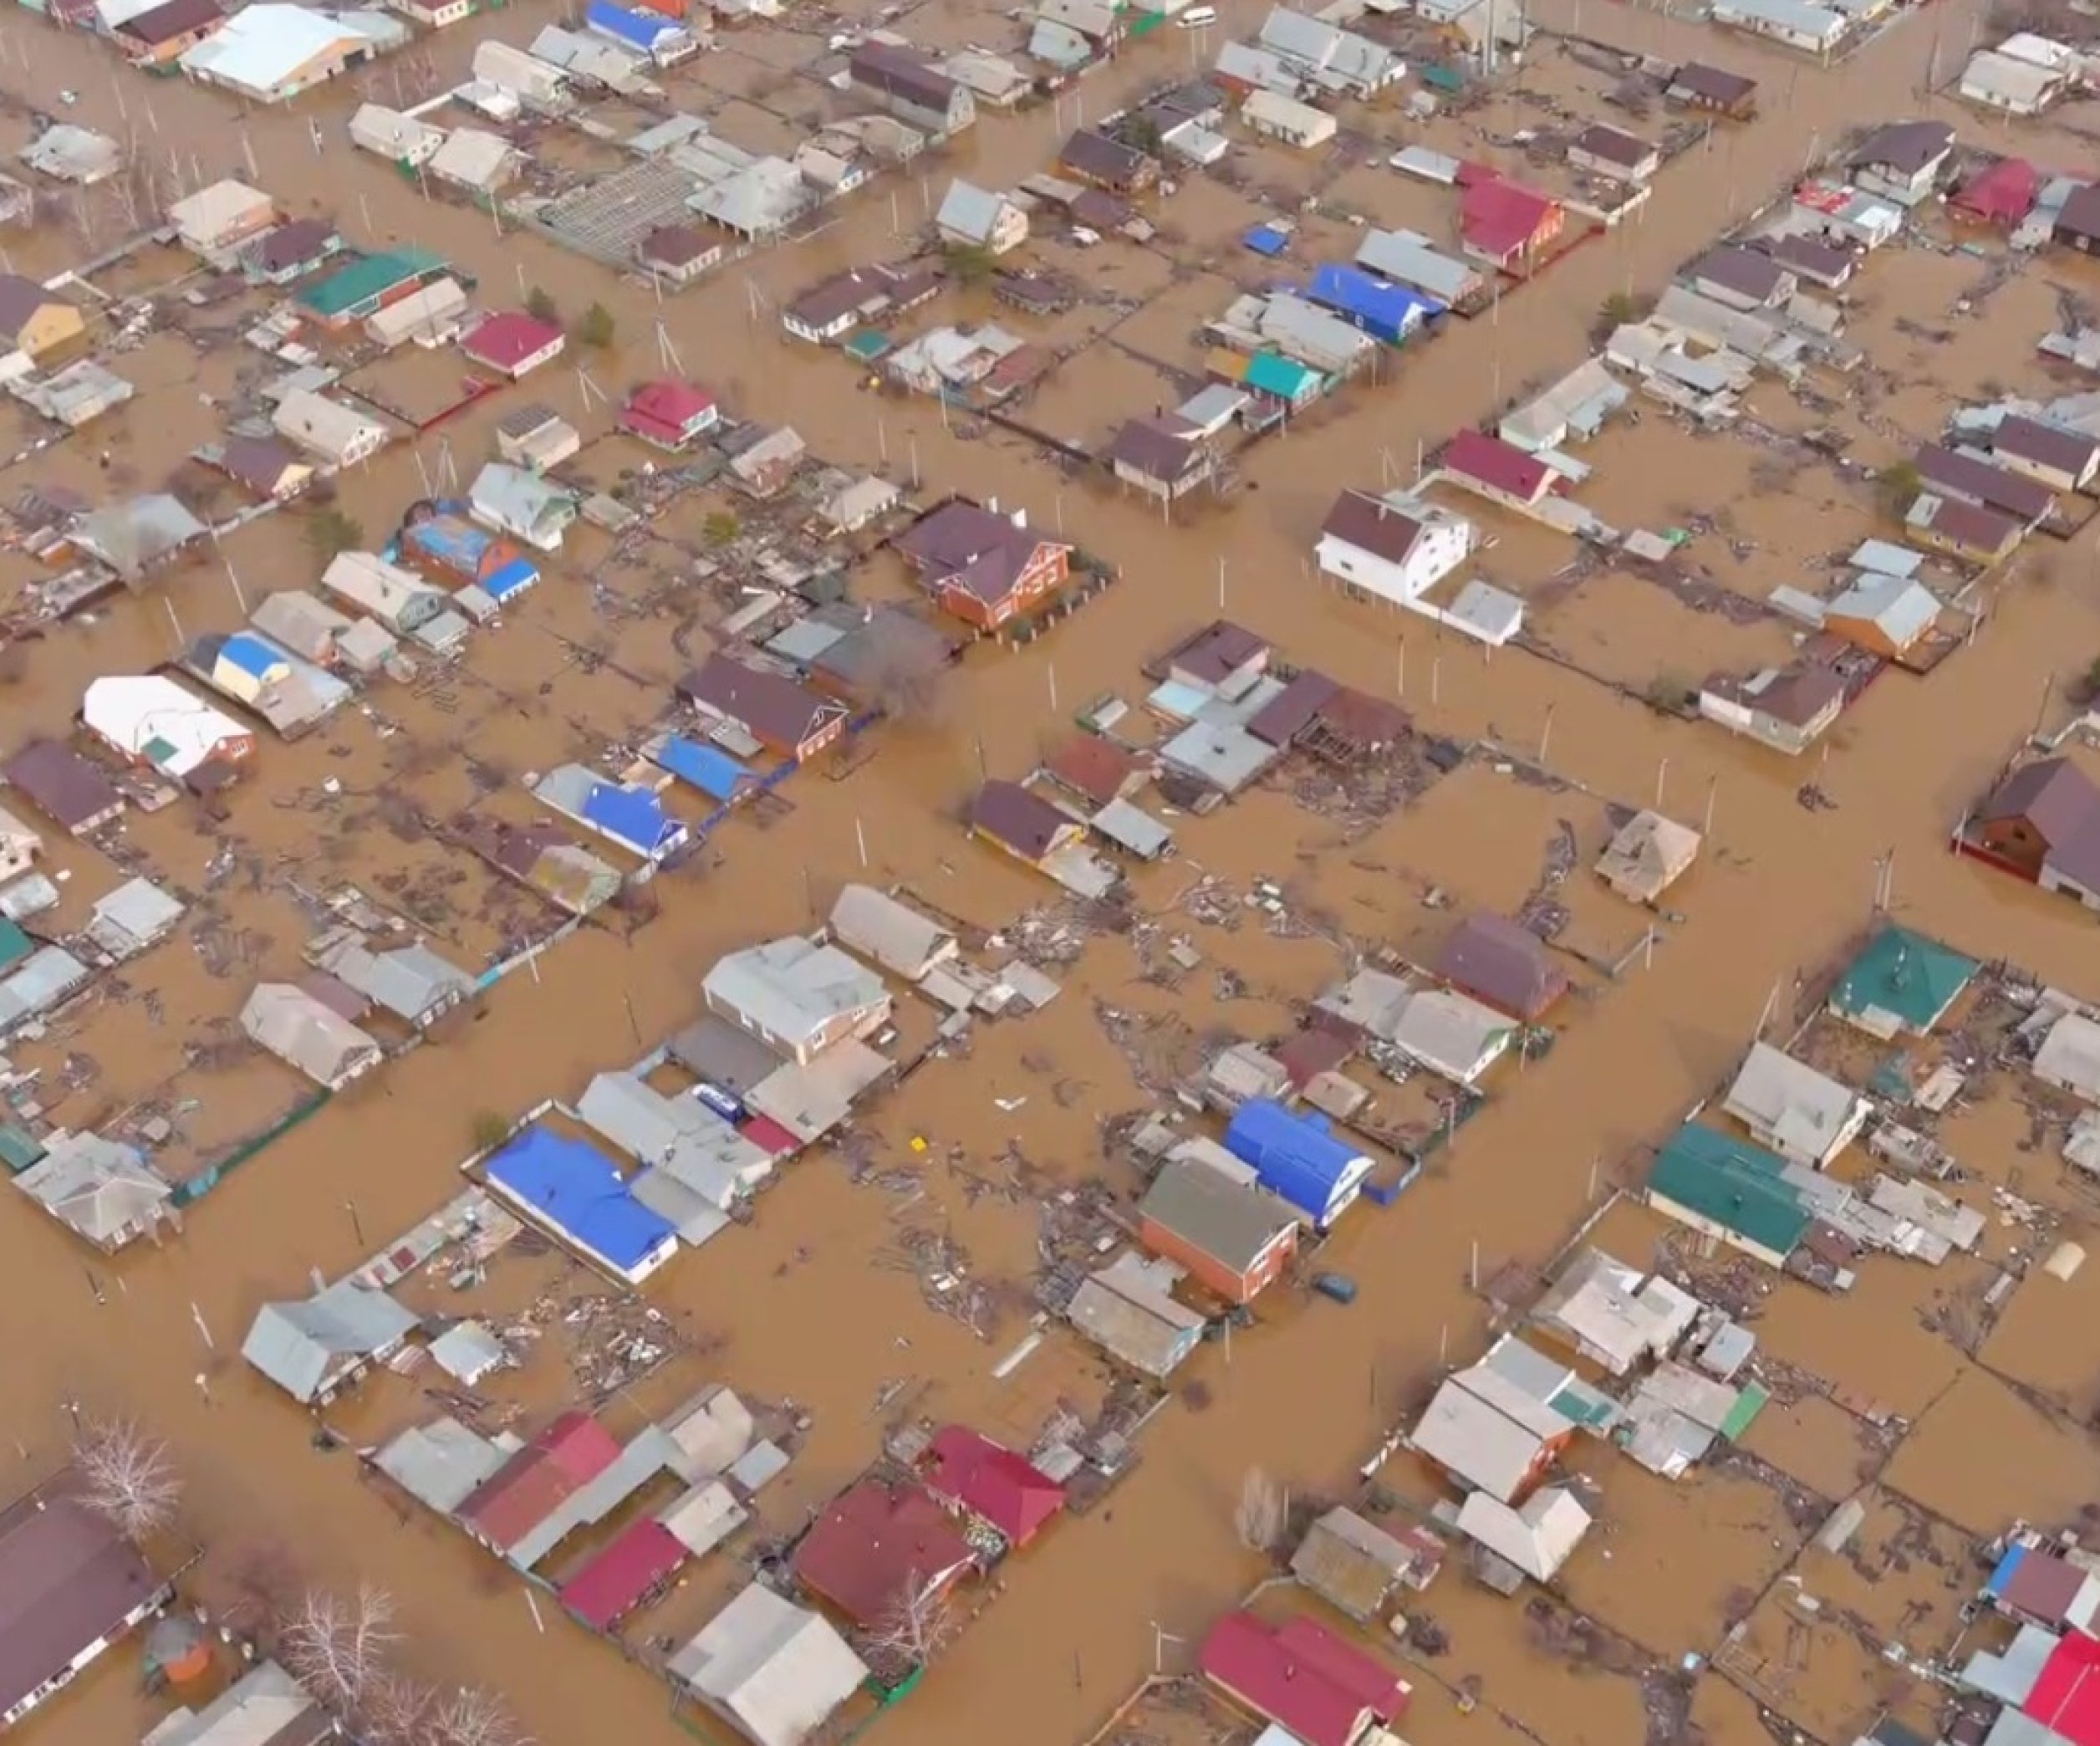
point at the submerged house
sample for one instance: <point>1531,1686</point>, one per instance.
<point>984,567</point>
<point>315,1347</point>
<point>1503,965</point>
<point>1796,1111</point>
<point>1234,1240</point>
<point>1901,984</point>
<point>1298,1159</point>
<point>1731,1191</point>
<point>573,1191</point>
<point>1312,1687</point>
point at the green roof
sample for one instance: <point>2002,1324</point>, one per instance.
<point>1916,979</point>
<point>373,276</point>
<point>20,1148</point>
<point>868,346</point>
<point>1749,1404</point>
<point>1740,1187</point>
<point>1273,374</point>
<point>14,944</point>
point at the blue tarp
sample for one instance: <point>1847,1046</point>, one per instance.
<point>639,30</point>
<point>579,1191</point>
<point>708,768</point>
<point>509,579</point>
<point>250,654</point>
<point>634,815</point>
<point>1385,311</point>
<point>1297,1157</point>
<point>1266,239</point>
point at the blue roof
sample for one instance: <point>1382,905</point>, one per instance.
<point>510,579</point>
<point>576,1188</point>
<point>2002,1577</point>
<point>708,768</point>
<point>634,815</point>
<point>1297,1157</point>
<point>642,29</point>
<point>1364,297</point>
<point>251,654</point>
<point>1266,239</point>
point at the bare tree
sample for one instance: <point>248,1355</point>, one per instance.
<point>127,1477</point>
<point>1259,1516</point>
<point>337,1648</point>
<point>917,1624</point>
<point>471,1717</point>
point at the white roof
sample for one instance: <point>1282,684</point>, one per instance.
<point>1647,855</point>
<point>775,1669</point>
<point>2070,1056</point>
<point>261,1706</point>
<point>391,134</point>
<point>1803,1112</point>
<point>1273,110</point>
<point>791,986</point>
<point>894,934</point>
<point>1599,1305</point>
<point>473,157</point>
<point>210,213</point>
<point>154,719</point>
<point>103,1191</point>
<point>369,582</point>
<point>1450,1033</point>
<point>1536,1539</point>
<point>267,44</point>
<point>327,427</point>
<point>1477,1442</point>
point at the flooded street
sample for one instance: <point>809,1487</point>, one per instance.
<point>1310,1392</point>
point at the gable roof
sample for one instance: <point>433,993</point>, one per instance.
<point>1507,966</point>
<point>1301,1676</point>
<point>1371,523</point>
<point>792,986</point>
<point>1906,147</point>
<point>872,1544</point>
<point>1096,154</point>
<point>1714,84</point>
<point>1163,449</point>
<point>1498,217</point>
<point>781,711</point>
<point>1802,1110</point>
<point>2052,794</point>
<point>61,783</point>
<point>20,299</point>
<point>305,1345</point>
<point>1232,1224</point>
<point>2045,444</point>
<point>1497,464</point>
<point>777,1669</point>
<point>508,339</point>
<point>172,18</point>
<point>70,1581</point>
<point>965,544</point>
<point>1093,767</point>
<point>992,1482</point>
<point>1018,818</point>
<point>566,1456</point>
<point>902,71</point>
<point>1738,1186</point>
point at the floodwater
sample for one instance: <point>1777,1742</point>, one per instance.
<point>799,1312</point>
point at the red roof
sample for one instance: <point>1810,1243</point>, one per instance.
<point>667,406</point>
<point>535,1482</point>
<point>1497,463</point>
<point>506,341</point>
<point>768,1136</point>
<point>2067,1698</point>
<point>620,1577</point>
<point>1301,1676</point>
<point>1498,217</point>
<point>1007,1490</point>
<point>2004,194</point>
<point>873,1543</point>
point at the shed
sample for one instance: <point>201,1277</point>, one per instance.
<point>1646,855</point>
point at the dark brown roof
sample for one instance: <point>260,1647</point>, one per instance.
<point>1823,262</point>
<point>68,1579</point>
<point>1022,820</point>
<point>1614,144</point>
<point>1216,652</point>
<point>2046,445</point>
<point>1372,525</point>
<point>294,245</point>
<point>1905,147</point>
<point>171,19</point>
<point>1494,960</point>
<point>678,245</point>
<point>1358,719</point>
<point>1743,271</point>
<point>2081,213</point>
<point>1094,767</point>
<point>60,783</point>
<point>1798,694</point>
<point>257,462</point>
<point>1714,84</point>
<point>965,544</point>
<point>876,288</point>
<point>2010,494</point>
<point>901,72</point>
<point>2054,795</point>
<point>1159,448</point>
<point>1105,160</point>
<point>1293,709</point>
<point>1966,525</point>
<point>780,711</point>
<point>20,299</point>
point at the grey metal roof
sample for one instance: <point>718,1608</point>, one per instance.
<point>777,1669</point>
<point>132,917</point>
<point>1230,1223</point>
<point>716,1050</point>
<point>467,1351</point>
<point>306,1346</point>
<point>440,1464</point>
<point>42,981</point>
<point>103,1191</point>
<point>266,1707</point>
<point>894,934</point>
<point>680,1136</point>
<point>970,211</point>
<point>791,987</point>
<point>411,981</point>
<point>132,536</point>
<point>298,1029</point>
<point>302,622</point>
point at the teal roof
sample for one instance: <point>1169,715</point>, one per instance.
<point>1738,1186</point>
<point>14,944</point>
<point>371,277</point>
<point>1286,377</point>
<point>20,1148</point>
<point>1904,974</point>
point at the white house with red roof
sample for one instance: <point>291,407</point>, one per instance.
<point>1320,1690</point>
<point>669,414</point>
<point>513,344</point>
<point>968,1473</point>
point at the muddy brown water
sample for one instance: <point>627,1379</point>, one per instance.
<point>1306,1398</point>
